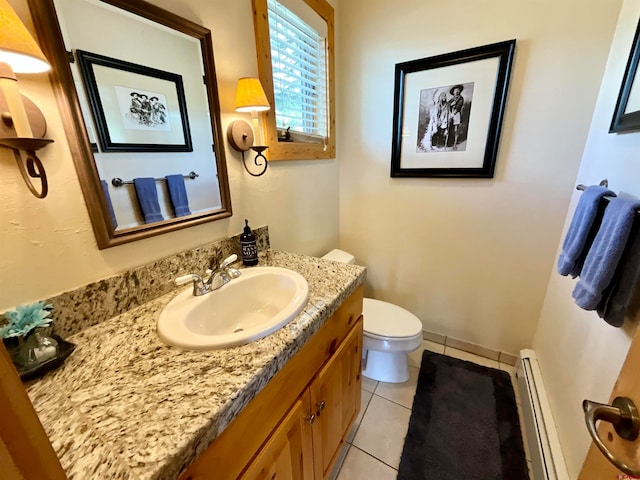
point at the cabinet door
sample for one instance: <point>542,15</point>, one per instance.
<point>25,450</point>
<point>335,397</point>
<point>288,454</point>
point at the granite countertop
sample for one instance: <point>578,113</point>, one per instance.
<point>127,406</point>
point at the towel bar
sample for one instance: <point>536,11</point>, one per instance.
<point>603,183</point>
<point>118,182</point>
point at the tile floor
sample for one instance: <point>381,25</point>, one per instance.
<point>375,442</point>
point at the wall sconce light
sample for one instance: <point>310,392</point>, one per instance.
<point>22,124</point>
<point>250,97</point>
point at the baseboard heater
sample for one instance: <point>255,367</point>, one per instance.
<point>547,461</point>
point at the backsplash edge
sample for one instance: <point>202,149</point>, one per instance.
<point>91,304</point>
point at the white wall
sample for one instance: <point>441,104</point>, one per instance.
<point>580,355</point>
<point>470,257</point>
<point>48,245</point>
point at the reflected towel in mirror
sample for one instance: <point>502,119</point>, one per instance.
<point>112,214</point>
<point>147,195</point>
<point>178,195</point>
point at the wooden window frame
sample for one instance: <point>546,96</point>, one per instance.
<point>294,150</point>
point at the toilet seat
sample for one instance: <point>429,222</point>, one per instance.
<point>386,321</point>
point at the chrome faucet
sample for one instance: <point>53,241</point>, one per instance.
<point>223,274</point>
<point>217,278</point>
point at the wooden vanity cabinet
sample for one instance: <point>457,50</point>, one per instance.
<point>295,427</point>
<point>335,402</point>
<point>307,442</point>
<point>288,454</point>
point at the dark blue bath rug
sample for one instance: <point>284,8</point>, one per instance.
<point>464,424</point>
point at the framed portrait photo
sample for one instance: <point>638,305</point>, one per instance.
<point>448,112</point>
<point>135,108</point>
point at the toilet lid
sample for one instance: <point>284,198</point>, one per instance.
<point>388,320</point>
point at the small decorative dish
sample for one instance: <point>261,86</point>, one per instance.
<point>36,370</point>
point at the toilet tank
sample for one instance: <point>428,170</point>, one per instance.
<point>340,256</point>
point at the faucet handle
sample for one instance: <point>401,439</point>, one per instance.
<point>183,280</point>
<point>199,287</point>
<point>233,272</point>
<point>229,260</point>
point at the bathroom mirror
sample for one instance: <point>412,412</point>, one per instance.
<point>137,92</point>
<point>295,47</point>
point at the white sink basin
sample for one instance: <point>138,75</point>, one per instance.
<point>250,307</point>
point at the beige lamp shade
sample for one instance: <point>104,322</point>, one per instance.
<point>17,46</point>
<point>250,96</point>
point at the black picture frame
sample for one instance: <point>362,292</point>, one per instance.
<point>623,120</point>
<point>156,123</point>
<point>467,138</point>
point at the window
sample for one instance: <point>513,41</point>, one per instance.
<point>294,40</point>
<point>298,61</point>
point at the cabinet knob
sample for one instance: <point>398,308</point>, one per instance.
<point>310,419</point>
<point>321,405</point>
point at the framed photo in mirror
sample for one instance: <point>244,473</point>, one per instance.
<point>448,112</point>
<point>135,108</point>
<point>626,115</point>
<point>172,44</point>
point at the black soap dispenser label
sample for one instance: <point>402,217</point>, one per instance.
<point>248,246</point>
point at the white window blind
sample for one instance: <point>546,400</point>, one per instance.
<point>299,62</point>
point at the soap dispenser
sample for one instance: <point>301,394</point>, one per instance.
<point>248,246</point>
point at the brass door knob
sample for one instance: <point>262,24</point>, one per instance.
<point>624,417</point>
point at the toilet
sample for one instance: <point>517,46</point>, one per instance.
<point>390,333</point>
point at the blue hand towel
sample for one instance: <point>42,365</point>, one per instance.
<point>576,243</point>
<point>112,214</point>
<point>148,199</point>
<point>613,307</point>
<point>178,194</point>
<point>605,253</point>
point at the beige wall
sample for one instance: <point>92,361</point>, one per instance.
<point>470,257</point>
<point>48,245</point>
<point>580,355</point>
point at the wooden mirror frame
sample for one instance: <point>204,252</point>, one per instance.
<point>50,38</point>
<point>293,150</point>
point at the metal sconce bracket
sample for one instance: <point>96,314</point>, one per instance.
<point>240,137</point>
<point>31,167</point>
